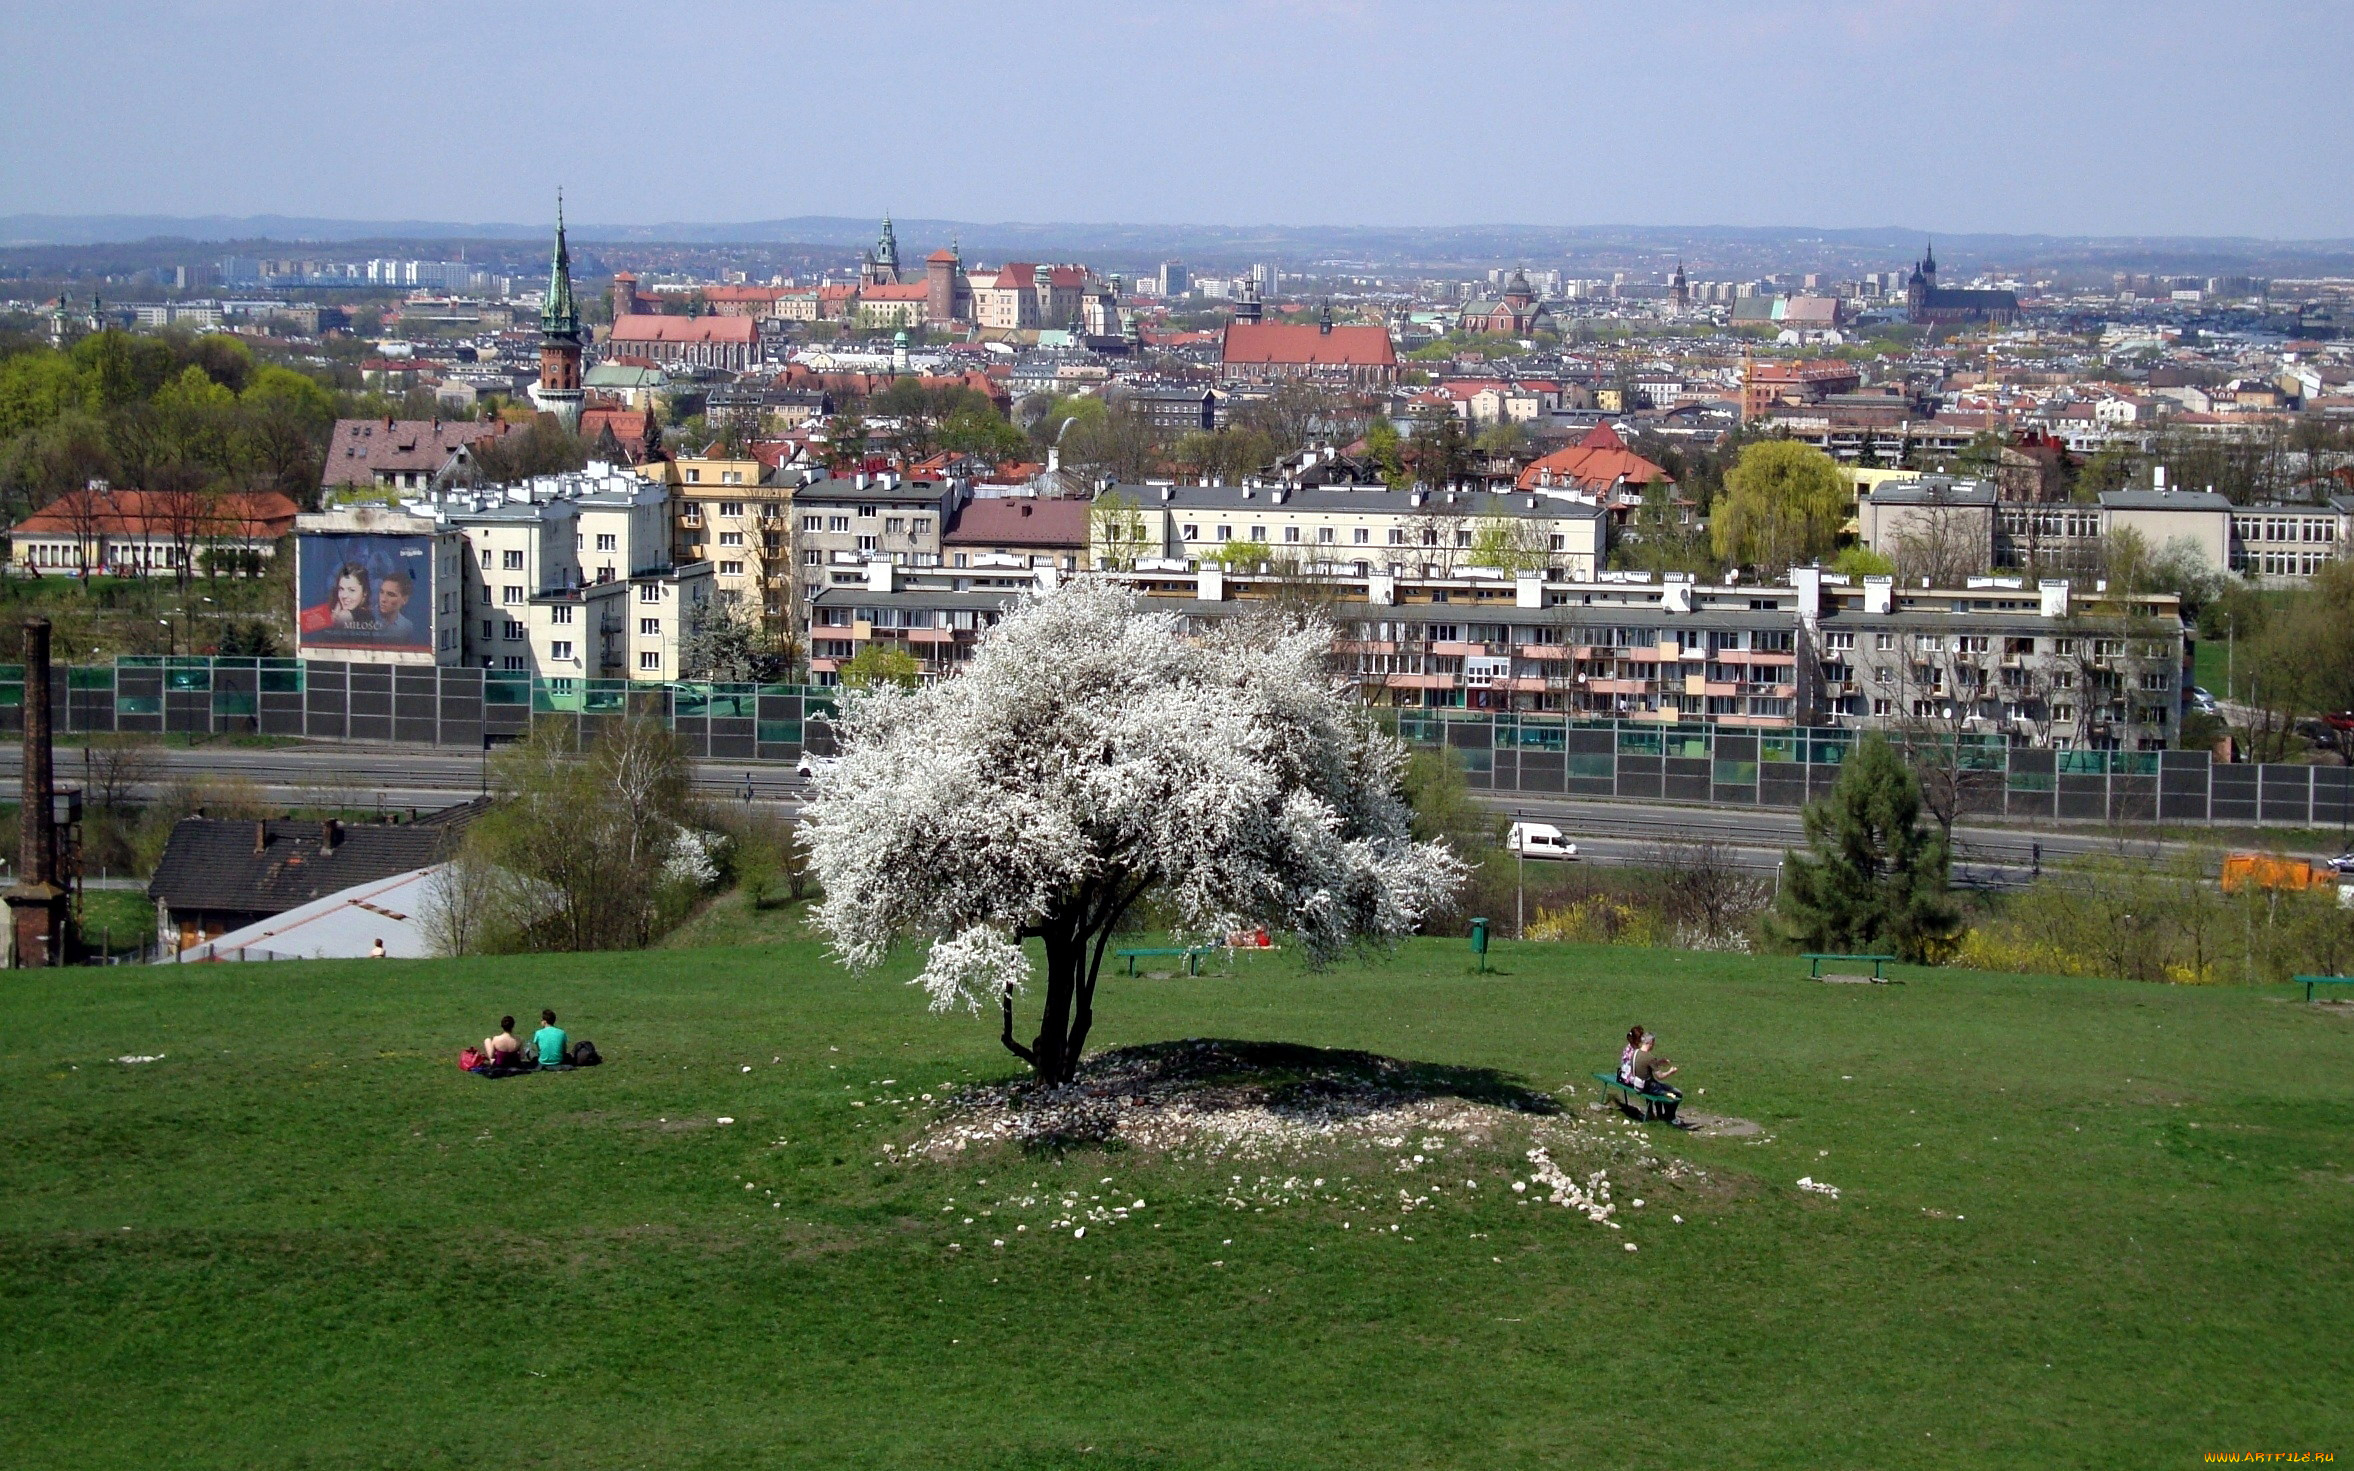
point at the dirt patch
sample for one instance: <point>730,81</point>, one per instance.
<point>1235,1100</point>
<point>1359,1132</point>
<point>1719,1126</point>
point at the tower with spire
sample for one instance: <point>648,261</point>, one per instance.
<point>1679,292</point>
<point>558,391</point>
<point>881,266</point>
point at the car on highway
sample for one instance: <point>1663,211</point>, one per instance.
<point>2342,864</point>
<point>2201,701</point>
<point>2341,721</point>
<point>1539,840</point>
<point>810,767</point>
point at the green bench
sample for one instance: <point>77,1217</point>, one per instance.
<point>1636,1101</point>
<point>2309,982</point>
<point>1814,964</point>
<point>1192,954</point>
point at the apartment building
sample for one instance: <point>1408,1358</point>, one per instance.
<point>1349,530</point>
<point>2040,665</point>
<point>844,523</point>
<point>565,576</point>
<point>2273,544</point>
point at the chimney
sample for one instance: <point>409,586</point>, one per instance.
<point>261,839</point>
<point>330,836</point>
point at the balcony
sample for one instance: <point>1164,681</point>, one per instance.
<point>1548,652</point>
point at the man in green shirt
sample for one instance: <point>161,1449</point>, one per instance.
<point>549,1039</point>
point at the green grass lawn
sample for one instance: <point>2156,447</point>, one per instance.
<point>2080,1223</point>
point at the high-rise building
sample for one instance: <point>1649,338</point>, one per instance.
<point>1175,280</point>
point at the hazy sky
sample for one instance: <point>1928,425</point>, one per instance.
<point>2066,116</point>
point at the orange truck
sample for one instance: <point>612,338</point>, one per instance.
<point>2273,871</point>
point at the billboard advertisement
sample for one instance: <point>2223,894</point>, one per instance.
<point>365,592</point>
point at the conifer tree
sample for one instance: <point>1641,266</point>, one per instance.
<point>1876,878</point>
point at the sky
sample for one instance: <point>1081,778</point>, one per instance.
<point>2073,117</point>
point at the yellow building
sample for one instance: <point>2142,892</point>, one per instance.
<point>725,512</point>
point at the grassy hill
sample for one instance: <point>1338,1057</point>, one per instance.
<point>2078,1222</point>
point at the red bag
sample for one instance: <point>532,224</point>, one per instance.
<point>470,1060</point>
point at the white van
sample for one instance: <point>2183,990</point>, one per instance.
<point>1539,840</point>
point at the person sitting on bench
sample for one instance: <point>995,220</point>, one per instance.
<point>549,1039</point>
<point>1651,1072</point>
<point>1626,1056</point>
<point>504,1052</point>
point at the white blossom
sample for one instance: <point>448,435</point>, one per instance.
<point>1091,752</point>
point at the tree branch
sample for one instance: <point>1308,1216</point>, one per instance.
<point>1007,1037</point>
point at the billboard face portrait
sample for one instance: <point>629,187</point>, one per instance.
<point>365,592</point>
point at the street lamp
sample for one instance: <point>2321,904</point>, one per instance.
<point>170,644</point>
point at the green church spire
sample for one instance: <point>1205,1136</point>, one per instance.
<point>558,315</point>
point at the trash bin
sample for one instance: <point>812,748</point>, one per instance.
<point>1479,937</point>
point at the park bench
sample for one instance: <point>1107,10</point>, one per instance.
<point>2309,982</point>
<point>1636,1101</point>
<point>1192,954</point>
<point>1814,967</point>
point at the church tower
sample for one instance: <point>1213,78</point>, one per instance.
<point>1679,293</point>
<point>559,392</point>
<point>882,263</point>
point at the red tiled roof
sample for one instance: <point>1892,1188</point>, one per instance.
<point>742,293</point>
<point>907,291</point>
<point>258,513</point>
<point>940,257</point>
<point>1287,343</point>
<point>361,447</point>
<point>1020,521</point>
<point>1600,459</point>
<point>646,327</point>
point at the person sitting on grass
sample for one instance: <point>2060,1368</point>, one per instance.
<point>549,1041</point>
<point>501,1053</point>
<point>1651,1072</point>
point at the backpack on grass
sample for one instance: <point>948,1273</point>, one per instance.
<point>471,1060</point>
<point>584,1054</point>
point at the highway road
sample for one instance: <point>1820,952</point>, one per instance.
<point>397,778</point>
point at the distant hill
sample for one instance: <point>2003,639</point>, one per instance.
<point>1389,246</point>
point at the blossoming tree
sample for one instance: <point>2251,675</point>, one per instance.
<point>1090,755</point>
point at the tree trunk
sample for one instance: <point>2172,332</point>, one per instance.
<point>1055,1052</point>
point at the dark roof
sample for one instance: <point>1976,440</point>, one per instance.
<point>216,863</point>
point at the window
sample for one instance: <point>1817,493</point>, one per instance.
<point>562,617</point>
<point>1463,538</point>
<point>486,556</point>
<point>813,559</point>
<point>731,569</point>
<point>511,593</point>
<point>1291,533</point>
<point>731,508</point>
<point>894,525</point>
<point>650,662</point>
<point>1258,533</point>
<point>837,523</point>
<point>866,513</point>
<point>1189,532</point>
<point>813,523</point>
<point>512,632</point>
<point>608,541</point>
<point>560,649</point>
<point>731,538</point>
<point>649,628</point>
<point>866,543</point>
<point>511,561</point>
<point>694,477</point>
<point>1397,536</point>
<point>488,628</point>
<point>512,661</point>
<point>649,592</point>
<point>920,526</point>
<point>1883,640</point>
<point>1324,535</point>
